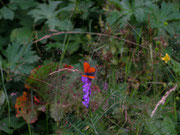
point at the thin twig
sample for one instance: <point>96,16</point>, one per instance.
<point>163,99</point>
<point>91,33</point>
<point>63,69</point>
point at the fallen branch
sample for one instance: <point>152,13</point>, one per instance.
<point>163,99</point>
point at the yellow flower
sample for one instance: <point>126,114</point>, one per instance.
<point>166,58</point>
<point>88,37</point>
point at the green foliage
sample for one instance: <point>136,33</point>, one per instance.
<point>159,127</point>
<point>145,11</point>
<point>9,128</point>
<point>6,13</point>
<point>136,8</point>
<point>176,67</point>
<point>21,35</point>
<point>49,13</point>
<point>19,58</point>
<point>124,40</point>
<point>15,4</point>
<point>160,18</point>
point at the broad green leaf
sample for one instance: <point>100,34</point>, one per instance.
<point>161,127</point>
<point>47,11</point>
<point>9,128</point>
<point>20,58</point>
<point>161,17</point>
<point>21,35</point>
<point>6,13</point>
<point>128,9</point>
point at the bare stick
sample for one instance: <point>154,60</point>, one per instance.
<point>63,69</point>
<point>91,33</point>
<point>163,99</point>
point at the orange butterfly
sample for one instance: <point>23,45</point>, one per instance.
<point>89,71</point>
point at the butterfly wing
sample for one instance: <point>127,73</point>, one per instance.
<point>89,76</point>
<point>89,71</point>
<point>86,67</point>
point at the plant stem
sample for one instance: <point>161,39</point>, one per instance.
<point>29,128</point>
<point>47,128</point>
<point>5,91</point>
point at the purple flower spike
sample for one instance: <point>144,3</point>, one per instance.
<point>105,86</point>
<point>87,91</point>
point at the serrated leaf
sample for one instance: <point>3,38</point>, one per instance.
<point>21,35</point>
<point>127,10</point>
<point>53,22</point>
<point>159,16</point>
<point>20,58</point>
<point>6,13</point>
<point>46,11</point>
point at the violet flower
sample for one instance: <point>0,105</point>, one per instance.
<point>105,86</point>
<point>87,91</point>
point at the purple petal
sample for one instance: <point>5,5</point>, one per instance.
<point>84,79</point>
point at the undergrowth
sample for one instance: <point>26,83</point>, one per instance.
<point>133,46</point>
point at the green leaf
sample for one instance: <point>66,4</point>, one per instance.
<point>21,35</point>
<point>161,127</point>
<point>176,67</point>
<point>164,15</point>
<point>6,13</point>
<point>56,45</point>
<point>9,128</point>
<point>65,25</point>
<point>72,47</point>
<point>113,17</point>
<point>2,98</point>
<point>47,11</point>
<point>20,58</point>
<point>74,44</point>
<point>168,126</point>
<point>127,10</point>
<point>70,7</point>
<point>23,4</point>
